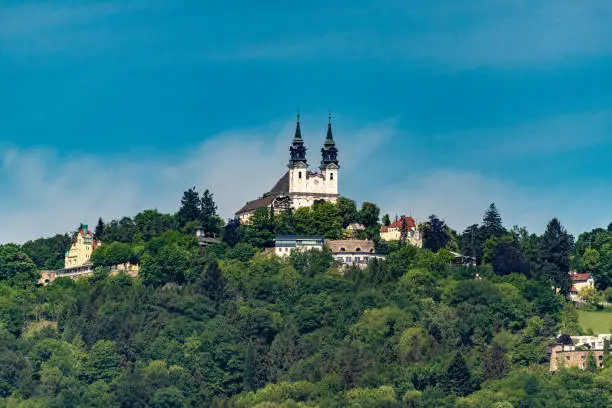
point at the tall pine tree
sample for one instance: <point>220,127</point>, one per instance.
<point>208,213</point>
<point>190,207</point>
<point>99,231</point>
<point>492,223</point>
<point>555,247</point>
<point>458,378</point>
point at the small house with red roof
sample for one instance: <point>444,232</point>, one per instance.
<point>580,281</point>
<point>393,232</point>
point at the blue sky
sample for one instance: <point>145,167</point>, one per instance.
<point>111,107</point>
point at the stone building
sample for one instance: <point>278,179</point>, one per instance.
<point>300,186</point>
<point>393,232</point>
<point>568,356</point>
<point>353,252</point>
<point>573,351</point>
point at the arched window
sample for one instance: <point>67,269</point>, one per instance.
<point>372,250</point>
<point>299,174</point>
<point>357,249</point>
<point>331,176</point>
<point>342,250</point>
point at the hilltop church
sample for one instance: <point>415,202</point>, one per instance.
<point>300,187</point>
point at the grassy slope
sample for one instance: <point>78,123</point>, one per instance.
<point>600,322</point>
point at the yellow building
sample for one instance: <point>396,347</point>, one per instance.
<point>81,249</point>
<point>393,232</point>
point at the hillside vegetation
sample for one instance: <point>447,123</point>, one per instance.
<point>232,326</point>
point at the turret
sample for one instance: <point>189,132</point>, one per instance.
<point>297,150</point>
<point>329,152</point>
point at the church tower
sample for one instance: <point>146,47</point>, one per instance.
<point>329,152</point>
<point>297,150</point>
<point>298,166</point>
<point>329,161</point>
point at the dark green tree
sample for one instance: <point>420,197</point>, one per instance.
<point>471,242</point>
<point>347,210</point>
<point>458,378</point>
<point>435,236</point>
<point>99,231</point>
<point>555,256</point>
<point>190,207</point>
<point>369,214</point>
<point>386,221</point>
<point>495,364</point>
<point>403,232</point>
<point>214,283</point>
<point>231,234</point>
<point>249,376</point>
<point>492,223</point>
<point>208,213</point>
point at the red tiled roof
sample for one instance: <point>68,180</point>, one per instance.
<point>580,277</point>
<point>410,223</point>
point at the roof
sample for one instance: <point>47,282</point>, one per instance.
<point>282,185</point>
<point>255,204</point>
<point>581,277</point>
<point>410,223</point>
<point>293,237</point>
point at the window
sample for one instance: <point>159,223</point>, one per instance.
<point>567,358</point>
<point>331,176</point>
<point>372,250</point>
<point>357,249</point>
<point>357,259</point>
<point>600,358</point>
<point>347,259</point>
<point>342,249</point>
<point>299,174</point>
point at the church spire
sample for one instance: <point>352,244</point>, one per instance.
<point>297,150</point>
<point>298,130</point>
<point>329,152</point>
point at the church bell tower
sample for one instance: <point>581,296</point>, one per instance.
<point>329,152</point>
<point>297,150</point>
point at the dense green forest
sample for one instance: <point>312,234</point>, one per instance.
<point>232,326</point>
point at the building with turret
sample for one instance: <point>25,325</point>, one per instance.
<point>300,186</point>
<point>81,249</point>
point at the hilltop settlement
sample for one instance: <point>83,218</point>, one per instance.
<point>305,299</point>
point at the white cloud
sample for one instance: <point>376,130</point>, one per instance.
<point>46,194</point>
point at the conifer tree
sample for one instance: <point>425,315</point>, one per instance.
<point>386,221</point>
<point>190,207</point>
<point>404,232</point>
<point>492,223</point>
<point>554,260</point>
<point>208,213</point>
<point>249,378</point>
<point>99,231</point>
<point>458,378</point>
<point>214,283</point>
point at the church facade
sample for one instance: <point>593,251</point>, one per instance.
<point>300,186</point>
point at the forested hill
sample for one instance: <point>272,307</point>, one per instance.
<point>232,326</point>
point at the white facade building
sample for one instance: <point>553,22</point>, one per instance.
<point>284,245</point>
<point>299,186</point>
